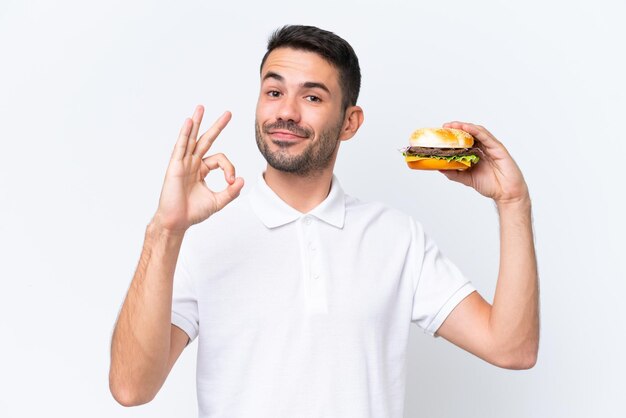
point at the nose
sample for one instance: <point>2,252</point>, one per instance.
<point>288,110</point>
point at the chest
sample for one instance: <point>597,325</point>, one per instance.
<point>299,277</point>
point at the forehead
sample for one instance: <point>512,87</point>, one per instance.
<point>300,66</point>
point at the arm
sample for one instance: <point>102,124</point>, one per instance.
<point>506,333</point>
<point>145,344</point>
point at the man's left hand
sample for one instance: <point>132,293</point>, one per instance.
<point>496,175</point>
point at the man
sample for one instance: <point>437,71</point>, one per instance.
<point>301,295</point>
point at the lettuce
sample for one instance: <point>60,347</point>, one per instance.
<point>472,159</point>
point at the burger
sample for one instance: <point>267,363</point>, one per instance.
<point>441,149</point>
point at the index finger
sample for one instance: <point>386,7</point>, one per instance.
<point>493,148</point>
<point>479,132</point>
<point>207,139</point>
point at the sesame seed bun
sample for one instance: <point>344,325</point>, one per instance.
<point>441,138</point>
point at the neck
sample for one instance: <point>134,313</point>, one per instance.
<point>301,193</point>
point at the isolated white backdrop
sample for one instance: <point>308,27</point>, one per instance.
<point>92,95</point>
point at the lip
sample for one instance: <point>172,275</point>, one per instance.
<point>285,136</point>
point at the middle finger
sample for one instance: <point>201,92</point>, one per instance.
<point>207,139</point>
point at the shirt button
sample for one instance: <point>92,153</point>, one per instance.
<point>307,220</point>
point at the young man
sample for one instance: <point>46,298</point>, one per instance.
<point>301,296</point>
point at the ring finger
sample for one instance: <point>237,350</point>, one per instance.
<point>197,119</point>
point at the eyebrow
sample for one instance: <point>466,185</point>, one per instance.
<point>276,76</point>
<point>308,84</point>
<point>315,85</point>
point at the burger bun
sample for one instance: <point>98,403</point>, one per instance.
<point>441,138</point>
<point>432,164</point>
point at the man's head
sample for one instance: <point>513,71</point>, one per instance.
<point>327,45</point>
<point>310,81</point>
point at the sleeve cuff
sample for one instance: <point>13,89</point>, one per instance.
<point>448,307</point>
<point>184,324</point>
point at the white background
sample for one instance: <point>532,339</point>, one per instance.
<point>92,96</point>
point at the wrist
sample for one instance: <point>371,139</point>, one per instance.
<point>156,228</point>
<point>522,204</point>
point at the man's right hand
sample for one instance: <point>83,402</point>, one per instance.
<point>185,198</point>
<point>145,343</point>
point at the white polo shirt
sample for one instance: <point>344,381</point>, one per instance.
<point>308,315</point>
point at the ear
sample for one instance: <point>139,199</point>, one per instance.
<point>352,122</point>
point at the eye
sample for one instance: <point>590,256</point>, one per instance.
<point>273,93</point>
<point>312,98</point>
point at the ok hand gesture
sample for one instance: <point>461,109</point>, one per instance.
<point>185,198</point>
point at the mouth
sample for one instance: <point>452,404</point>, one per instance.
<point>285,136</point>
<point>285,133</point>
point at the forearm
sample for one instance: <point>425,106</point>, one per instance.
<point>514,318</point>
<point>141,340</point>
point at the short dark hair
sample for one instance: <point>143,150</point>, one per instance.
<point>329,46</point>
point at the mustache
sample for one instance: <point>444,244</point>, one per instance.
<point>289,125</point>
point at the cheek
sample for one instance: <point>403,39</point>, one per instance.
<point>316,118</point>
<point>322,122</point>
<point>259,108</point>
<point>264,110</point>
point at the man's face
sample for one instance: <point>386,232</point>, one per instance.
<point>299,113</point>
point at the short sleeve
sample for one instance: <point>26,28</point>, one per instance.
<point>439,285</point>
<point>184,299</point>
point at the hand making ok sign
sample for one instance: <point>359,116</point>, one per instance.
<point>185,197</point>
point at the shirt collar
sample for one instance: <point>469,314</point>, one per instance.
<point>274,212</point>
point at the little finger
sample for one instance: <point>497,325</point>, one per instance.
<point>181,142</point>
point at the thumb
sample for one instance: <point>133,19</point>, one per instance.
<point>462,177</point>
<point>229,194</point>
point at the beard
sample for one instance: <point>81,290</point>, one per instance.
<point>317,156</point>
